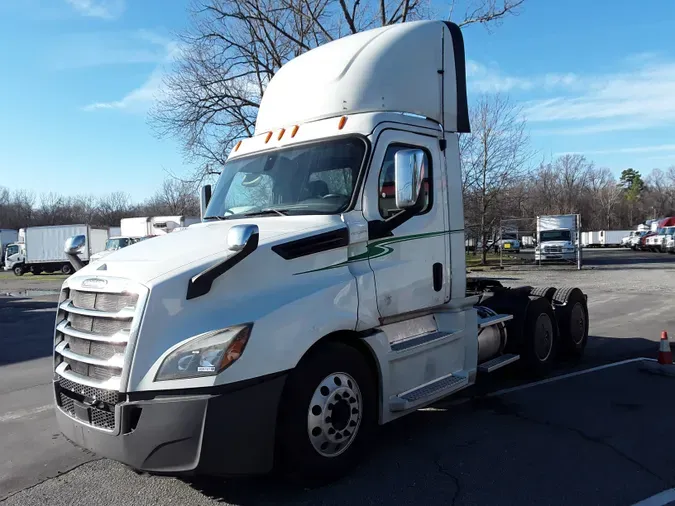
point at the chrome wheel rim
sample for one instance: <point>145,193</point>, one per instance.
<point>334,414</point>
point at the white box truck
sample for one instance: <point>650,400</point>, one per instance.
<point>7,236</point>
<point>42,249</point>
<point>556,238</point>
<point>319,306</point>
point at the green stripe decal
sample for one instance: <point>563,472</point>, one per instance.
<point>378,249</point>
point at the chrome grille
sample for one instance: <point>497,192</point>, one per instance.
<point>96,349</point>
<point>111,302</point>
<point>98,325</point>
<point>92,371</point>
<point>553,249</point>
<point>92,333</point>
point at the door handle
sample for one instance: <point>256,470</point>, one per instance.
<point>437,273</point>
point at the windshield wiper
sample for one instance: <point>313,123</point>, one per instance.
<point>215,218</point>
<point>265,212</point>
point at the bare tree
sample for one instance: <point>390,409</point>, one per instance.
<point>498,159</point>
<point>175,198</point>
<point>233,48</point>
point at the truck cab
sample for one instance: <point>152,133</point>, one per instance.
<point>555,244</point>
<point>329,293</point>
<point>15,255</point>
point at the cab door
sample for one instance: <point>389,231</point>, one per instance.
<point>411,262</point>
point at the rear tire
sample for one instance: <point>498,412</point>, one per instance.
<point>539,346</point>
<point>546,292</point>
<point>572,321</point>
<point>327,415</point>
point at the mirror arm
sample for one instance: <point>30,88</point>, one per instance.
<point>384,228</point>
<point>201,283</point>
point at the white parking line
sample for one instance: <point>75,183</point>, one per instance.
<point>665,497</point>
<point>24,413</point>
<point>569,375</point>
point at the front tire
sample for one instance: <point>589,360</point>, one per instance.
<point>18,270</point>
<point>67,269</point>
<point>327,415</point>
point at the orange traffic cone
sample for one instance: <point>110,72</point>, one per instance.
<point>665,355</point>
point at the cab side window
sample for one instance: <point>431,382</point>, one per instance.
<point>387,189</point>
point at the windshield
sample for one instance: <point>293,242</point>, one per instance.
<point>12,250</point>
<point>555,235</point>
<point>120,242</point>
<point>316,178</point>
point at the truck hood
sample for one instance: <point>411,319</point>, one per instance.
<point>199,243</point>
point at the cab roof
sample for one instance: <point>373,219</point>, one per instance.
<point>415,67</point>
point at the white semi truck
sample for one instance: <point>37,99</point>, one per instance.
<point>319,306</point>
<point>557,238</point>
<point>41,249</point>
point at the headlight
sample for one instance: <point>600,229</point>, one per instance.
<point>205,355</point>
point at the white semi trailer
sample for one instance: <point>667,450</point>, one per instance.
<point>320,305</point>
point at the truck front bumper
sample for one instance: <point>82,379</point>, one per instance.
<point>227,430</point>
<point>555,256</point>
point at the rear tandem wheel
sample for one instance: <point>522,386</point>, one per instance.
<point>571,311</point>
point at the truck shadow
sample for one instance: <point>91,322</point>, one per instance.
<point>26,329</point>
<point>430,456</point>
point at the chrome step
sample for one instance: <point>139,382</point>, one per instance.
<point>498,362</point>
<point>493,320</point>
<point>433,390</point>
<point>412,342</point>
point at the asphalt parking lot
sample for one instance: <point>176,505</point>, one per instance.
<point>601,436</point>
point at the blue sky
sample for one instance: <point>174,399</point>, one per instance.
<point>79,76</point>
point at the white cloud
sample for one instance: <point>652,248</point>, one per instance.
<point>638,99</point>
<point>104,9</point>
<point>137,100</point>
<point>93,49</point>
<point>660,148</point>
<point>490,79</point>
<point>141,98</point>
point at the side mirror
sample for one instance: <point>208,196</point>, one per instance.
<point>239,235</point>
<point>409,171</point>
<point>72,247</point>
<point>74,244</point>
<point>204,199</point>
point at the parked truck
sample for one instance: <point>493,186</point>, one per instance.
<point>319,306</point>
<point>556,238</point>
<point>133,230</point>
<point>7,236</point>
<point>42,248</point>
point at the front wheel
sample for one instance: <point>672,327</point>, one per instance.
<point>18,270</point>
<point>326,416</point>
<point>67,269</point>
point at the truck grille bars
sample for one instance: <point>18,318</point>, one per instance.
<point>91,341</point>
